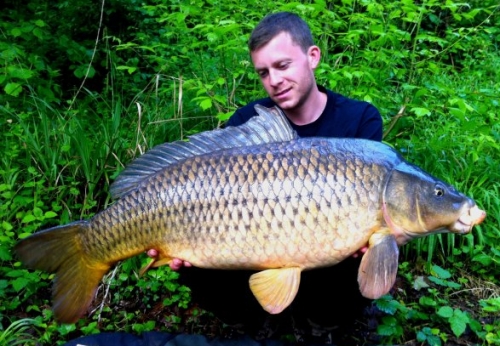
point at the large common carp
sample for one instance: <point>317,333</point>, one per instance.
<point>254,197</point>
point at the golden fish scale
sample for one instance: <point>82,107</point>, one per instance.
<point>292,205</point>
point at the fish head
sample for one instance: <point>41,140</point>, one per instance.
<point>417,204</point>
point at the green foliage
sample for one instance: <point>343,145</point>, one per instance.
<point>491,307</point>
<point>16,333</point>
<point>436,317</point>
<point>85,89</point>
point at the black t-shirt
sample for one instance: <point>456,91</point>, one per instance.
<point>342,117</point>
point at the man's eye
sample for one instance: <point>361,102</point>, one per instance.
<point>262,74</point>
<point>284,66</point>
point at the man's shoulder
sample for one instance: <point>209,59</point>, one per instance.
<point>345,105</point>
<point>242,114</point>
<point>343,101</point>
<point>347,117</point>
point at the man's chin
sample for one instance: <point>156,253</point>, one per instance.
<point>285,105</point>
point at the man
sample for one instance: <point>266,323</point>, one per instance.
<point>285,57</point>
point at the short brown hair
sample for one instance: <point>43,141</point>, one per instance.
<point>276,23</point>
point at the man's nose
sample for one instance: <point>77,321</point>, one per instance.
<point>275,77</point>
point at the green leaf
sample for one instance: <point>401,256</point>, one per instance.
<point>438,281</point>
<point>453,285</point>
<point>387,304</point>
<point>16,32</point>
<point>84,70</point>
<point>421,336</point>
<point>19,72</point>
<point>37,212</point>
<point>484,259</point>
<point>37,32</point>
<point>40,23</point>
<point>440,272</point>
<point>19,283</point>
<point>13,89</point>
<point>206,104</point>
<point>457,112</point>
<point>49,214</point>
<point>65,328</point>
<point>28,218</point>
<point>130,69</point>
<point>434,340</point>
<point>385,330</point>
<point>419,111</point>
<point>15,273</point>
<point>427,301</point>
<point>445,312</point>
<point>491,305</point>
<point>91,328</point>
<point>7,226</point>
<point>5,254</point>
<point>458,322</point>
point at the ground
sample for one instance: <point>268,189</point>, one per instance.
<point>365,330</point>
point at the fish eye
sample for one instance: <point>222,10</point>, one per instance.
<point>439,191</point>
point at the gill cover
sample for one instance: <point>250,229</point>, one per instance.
<point>416,203</point>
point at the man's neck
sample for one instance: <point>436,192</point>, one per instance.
<point>310,110</point>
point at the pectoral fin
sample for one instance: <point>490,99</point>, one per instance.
<point>275,289</point>
<point>379,265</point>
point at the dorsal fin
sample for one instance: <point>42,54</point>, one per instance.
<point>270,126</point>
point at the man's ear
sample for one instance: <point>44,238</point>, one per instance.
<point>314,56</point>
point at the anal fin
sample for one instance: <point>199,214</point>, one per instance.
<point>275,289</point>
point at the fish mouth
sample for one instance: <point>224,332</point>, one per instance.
<point>467,220</point>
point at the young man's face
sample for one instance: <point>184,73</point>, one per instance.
<point>286,72</point>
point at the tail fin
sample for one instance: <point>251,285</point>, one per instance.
<point>59,250</point>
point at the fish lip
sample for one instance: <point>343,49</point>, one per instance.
<point>468,219</point>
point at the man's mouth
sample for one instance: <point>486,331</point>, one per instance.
<point>282,93</point>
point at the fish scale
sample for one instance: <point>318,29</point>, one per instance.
<point>254,197</point>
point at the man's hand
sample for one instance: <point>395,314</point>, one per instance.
<point>175,264</point>
<point>360,252</point>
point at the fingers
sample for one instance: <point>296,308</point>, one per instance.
<point>360,252</point>
<point>177,264</point>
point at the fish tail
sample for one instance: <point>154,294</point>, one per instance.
<point>59,250</point>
